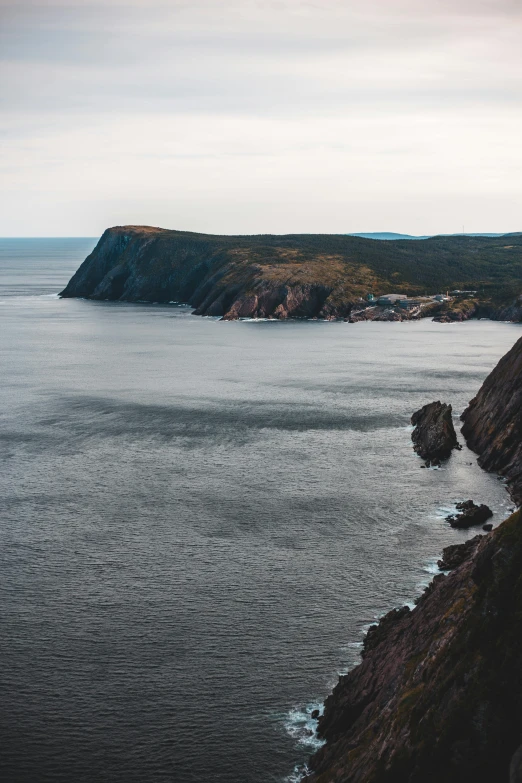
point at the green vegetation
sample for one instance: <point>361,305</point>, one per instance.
<point>485,264</point>
<point>332,271</point>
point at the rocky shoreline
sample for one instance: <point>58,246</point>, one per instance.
<point>438,694</point>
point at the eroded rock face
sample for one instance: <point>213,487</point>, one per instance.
<point>438,695</point>
<point>434,436</point>
<point>493,421</point>
<point>280,302</point>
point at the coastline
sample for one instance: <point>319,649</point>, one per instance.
<point>431,662</point>
<point>431,570</point>
<point>293,318</point>
<point>97,337</point>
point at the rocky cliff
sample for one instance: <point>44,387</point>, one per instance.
<point>438,695</point>
<point>493,421</point>
<point>302,276</point>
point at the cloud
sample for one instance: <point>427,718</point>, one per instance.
<point>330,89</point>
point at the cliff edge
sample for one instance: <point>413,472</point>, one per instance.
<point>438,695</point>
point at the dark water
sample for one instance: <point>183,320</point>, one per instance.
<point>199,518</point>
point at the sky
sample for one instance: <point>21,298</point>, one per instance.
<point>258,116</point>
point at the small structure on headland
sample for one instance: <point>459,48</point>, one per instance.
<point>406,302</point>
<point>391,299</point>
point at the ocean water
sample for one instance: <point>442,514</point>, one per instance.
<point>199,519</point>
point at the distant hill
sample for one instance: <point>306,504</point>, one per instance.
<point>296,275</point>
<point>390,235</point>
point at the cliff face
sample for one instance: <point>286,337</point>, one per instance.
<point>438,695</point>
<point>305,276</point>
<point>493,421</point>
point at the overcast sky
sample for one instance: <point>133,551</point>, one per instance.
<point>253,116</point>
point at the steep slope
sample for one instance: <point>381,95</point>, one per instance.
<point>438,695</point>
<point>290,276</point>
<point>493,421</point>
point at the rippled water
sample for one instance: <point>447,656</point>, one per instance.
<point>198,519</point>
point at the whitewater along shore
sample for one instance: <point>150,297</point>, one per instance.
<point>438,695</point>
<point>307,276</point>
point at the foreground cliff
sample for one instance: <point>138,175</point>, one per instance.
<point>493,421</point>
<point>438,695</point>
<point>299,276</point>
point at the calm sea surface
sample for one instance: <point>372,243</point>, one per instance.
<point>199,518</point>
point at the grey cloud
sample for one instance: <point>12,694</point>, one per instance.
<point>308,82</point>
<point>185,58</point>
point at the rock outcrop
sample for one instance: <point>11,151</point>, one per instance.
<point>438,694</point>
<point>457,310</point>
<point>434,436</point>
<point>455,554</point>
<point>511,312</point>
<point>470,515</point>
<point>464,309</point>
<point>493,421</point>
<point>294,276</point>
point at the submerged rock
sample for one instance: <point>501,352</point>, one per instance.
<point>434,436</point>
